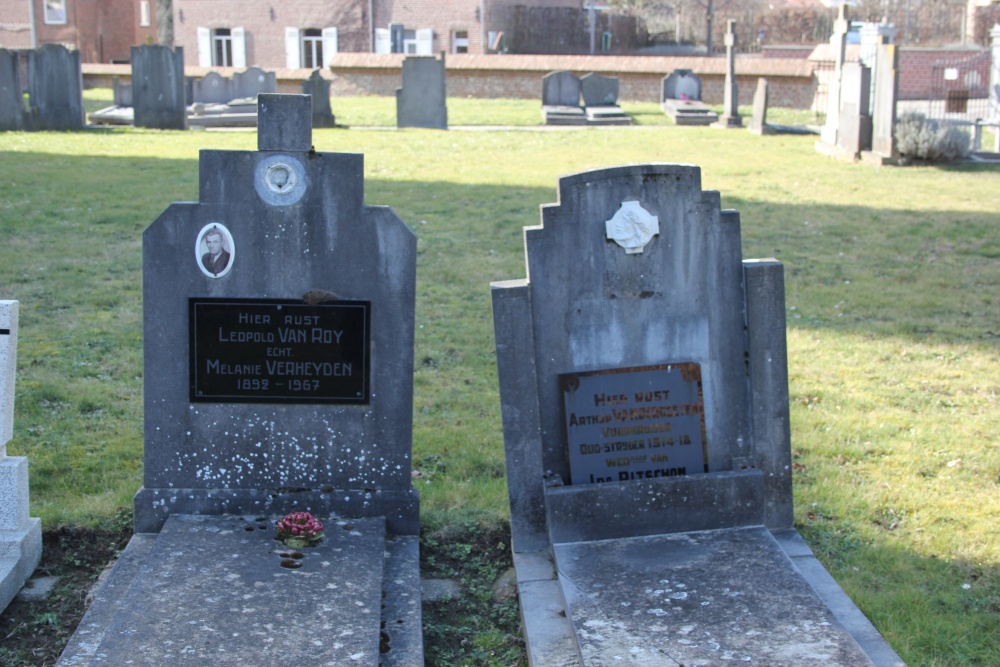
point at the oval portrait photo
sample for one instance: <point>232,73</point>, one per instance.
<point>215,250</point>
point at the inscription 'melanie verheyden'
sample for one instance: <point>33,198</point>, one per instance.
<point>279,351</point>
<point>634,423</point>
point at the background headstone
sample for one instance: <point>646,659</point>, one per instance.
<point>681,99</point>
<point>20,535</point>
<point>758,122</point>
<point>886,91</point>
<point>121,93</point>
<point>319,88</point>
<point>213,88</point>
<point>421,102</point>
<point>681,84</point>
<point>561,99</point>
<point>158,87</point>
<point>253,81</point>
<point>731,94</point>
<point>55,88</point>
<point>598,90</point>
<point>855,132</point>
<point>11,101</point>
<point>995,78</point>
<point>838,40</point>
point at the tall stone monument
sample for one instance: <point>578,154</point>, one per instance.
<point>885,92</point>
<point>731,95</point>
<point>20,535</point>
<point>828,136</point>
<point>643,384</point>
<point>995,79</point>
<point>278,365</point>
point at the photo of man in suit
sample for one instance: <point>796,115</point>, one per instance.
<point>216,260</point>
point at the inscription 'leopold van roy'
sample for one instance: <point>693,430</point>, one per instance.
<point>279,351</point>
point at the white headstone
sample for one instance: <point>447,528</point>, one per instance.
<point>8,363</point>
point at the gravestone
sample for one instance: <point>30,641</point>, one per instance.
<point>561,99</point>
<point>11,100</point>
<point>600,100</point>
<point>421,102</point>
<point>158,87</point>
<point>681,99</point>
<point>758,122</point>
<point>121,93</point>
<point>886,91</point>
<point>643,384</point>
<point>278,357</point>
<point>252,82</point>
<point>20,535</point>
<point>319,89</point>
<point>855,132</point>
<point>838,40</point>
<point>213,88</point>
<point>55,89</point>
<point>994,113</point>
<point>731,95</point>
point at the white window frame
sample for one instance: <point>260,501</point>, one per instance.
<point>293,53</point>
<point>383,40</point>
<point>54,12</point>
<point>209,38</point>
<point>425,42</point>
<point>330,44</point>
<point>312,49</point>
<point>144,16</point>
<point>222,48</point>
<point>459,42</point>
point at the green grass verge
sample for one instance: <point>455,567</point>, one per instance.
<point>893,277</point>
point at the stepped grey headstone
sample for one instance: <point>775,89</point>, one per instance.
<point>11,100</point>
<point>561,99</point>
<point>319,89</point>
<point>680,96</point>
<point>291,304</point>
<point>731,94</point>
<point>55,89</point>
<point>158,87</point>
<point>422,101</point>
<point>20,535</point>
<point>855,132</point>
<point>600,100</point>
<point>252,82</point>
<point>644,396</point>
<point>758,122</point>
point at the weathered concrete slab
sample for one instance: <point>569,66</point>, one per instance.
<point>698,599</point>
<point>218,590</point>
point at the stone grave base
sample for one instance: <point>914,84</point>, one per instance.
<point>689,112</point>
<point>220,590</point>
<point>563,115</point>
<point>694,599</point>
<point>607,115</point>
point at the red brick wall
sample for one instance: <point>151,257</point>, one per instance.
<point>915,69</point>
<point>15,25</point>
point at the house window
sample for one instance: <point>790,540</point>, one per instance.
<point>144,13</point>
<point>460,41</point>
<point>312,48</point>
<point>55,12</point>
<point>222,47</point>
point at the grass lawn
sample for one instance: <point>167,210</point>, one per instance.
<point>893,304</point>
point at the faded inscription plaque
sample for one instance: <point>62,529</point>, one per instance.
<point>634,423</point>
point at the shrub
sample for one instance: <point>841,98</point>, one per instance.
<point>923,138</point>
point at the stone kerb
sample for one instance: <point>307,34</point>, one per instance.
<point>589,305</point>
<point>296,226</point>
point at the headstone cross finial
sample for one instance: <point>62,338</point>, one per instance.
<point>284,122</point>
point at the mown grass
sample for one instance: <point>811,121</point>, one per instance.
<point>893,304</point>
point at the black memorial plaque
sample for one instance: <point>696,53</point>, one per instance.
<point>634,423</point>
<point>279,351</point>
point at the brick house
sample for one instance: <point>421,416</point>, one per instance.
<point>306,33</point>
<point>102,30</point>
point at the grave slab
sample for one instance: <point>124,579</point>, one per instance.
<point>681,99</point>
<point>220,591</point>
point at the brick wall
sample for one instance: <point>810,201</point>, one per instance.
<point>15,25</point>
<point>915,69</point>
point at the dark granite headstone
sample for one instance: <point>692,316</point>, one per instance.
<point>599,90</point>
<point>11,100</point>
<point>681,99</point>
<point>284,224</point>
<point>319,89</point>
<point>561,99</point>
<point>121,93</point>
<point>422,102</point>
<point>158,87</point>
<point>55,89</point>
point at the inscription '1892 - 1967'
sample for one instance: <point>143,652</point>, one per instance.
<point>279,351</point>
